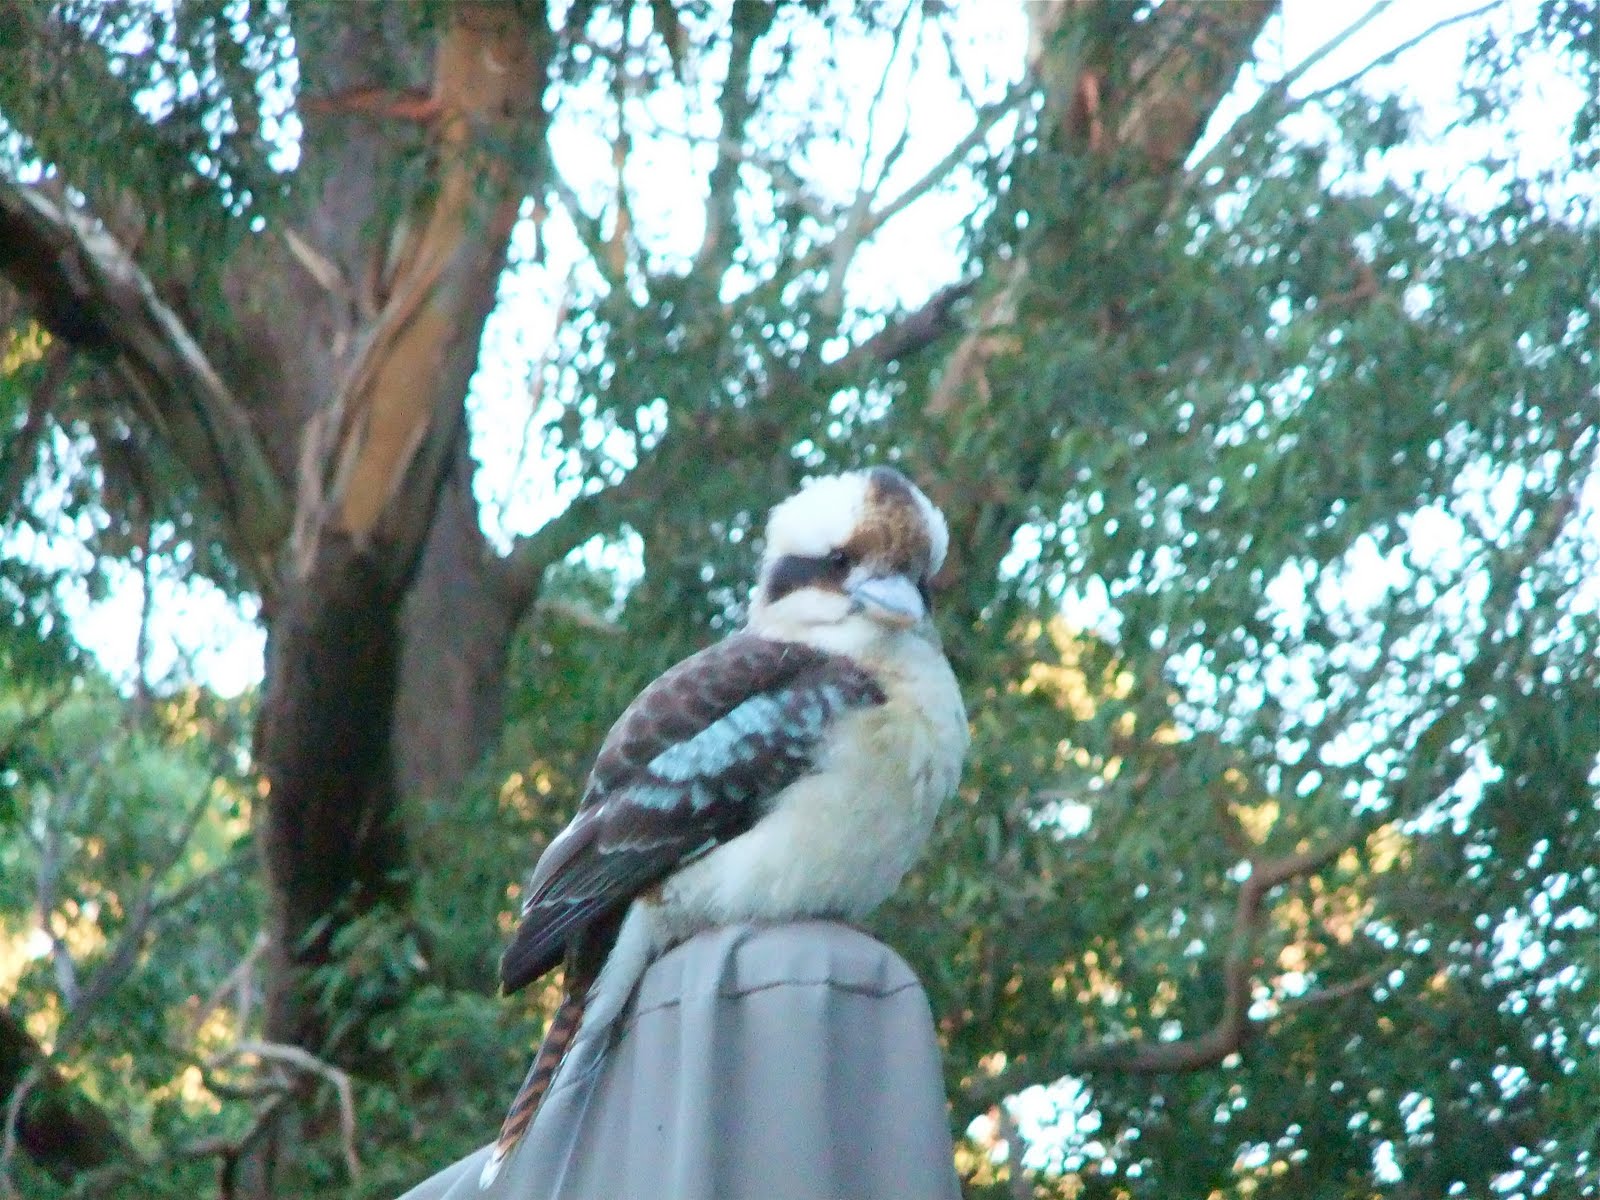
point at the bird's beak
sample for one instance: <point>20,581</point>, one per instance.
<point>892,599</point>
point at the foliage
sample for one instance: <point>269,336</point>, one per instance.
<point>125,899</point>
<point>1276,562</point>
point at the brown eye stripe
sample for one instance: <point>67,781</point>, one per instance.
<point>795,571</point>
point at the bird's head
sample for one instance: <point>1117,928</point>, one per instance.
<point>848,561</point>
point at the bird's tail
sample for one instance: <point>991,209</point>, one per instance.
<point>557,1040</point>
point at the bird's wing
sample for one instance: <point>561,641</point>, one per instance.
<point>688,765</point>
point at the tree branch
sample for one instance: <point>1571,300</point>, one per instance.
<point>1233,1027</point>
<point>56,1127</point>
<point>305,1063</point>
<point>1017,1181</point>
<point>1274,102</point>
<point>23,1067</point>
<point>912,332</point>
<point>83,286</point>
<point>1184,57</point>
<point>19,457</point>
<point>857,231</point>
<point>522,570</point>
<point>750,23</point>
<point>28,723</point>
<point>843,246</point>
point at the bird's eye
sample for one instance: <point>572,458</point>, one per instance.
<point>839,560</point>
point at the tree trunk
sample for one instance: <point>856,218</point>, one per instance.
<point>335,390</point>
<point>384,501</point>
<point>456,629</point>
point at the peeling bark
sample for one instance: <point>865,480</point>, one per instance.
<point>373,470</point>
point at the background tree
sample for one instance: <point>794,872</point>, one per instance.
<point>1273,869</point>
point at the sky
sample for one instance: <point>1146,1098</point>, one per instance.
<point>201,633</point>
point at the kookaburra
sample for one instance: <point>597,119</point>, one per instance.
<point>792,770</point>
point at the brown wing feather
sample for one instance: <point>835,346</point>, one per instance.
<point>657,795</point>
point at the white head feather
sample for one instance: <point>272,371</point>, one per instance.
<point>826,511</point>
<point>877,514</point>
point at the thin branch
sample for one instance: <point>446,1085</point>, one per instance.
<point>1274,102</point>
<point>229,1149</point>
<point>956,71</point>
<point>80,1002</point>
<point>238,980</point>
<point>987,118</point>
<point>62,1131</point>
<point>521,571</point>
<point>1017,1181</point>
<point>843,246</point>
<point>143,692</point>
<point>896,37</point>
<point>278,1093</point>
<point>621,149</point>
<point>327,274</point>
<point>261,1130</point>
<point>47,845</point>
<point>778,169</point>
<point>916,330</point>
<point>305,1063</point>
<point>579,614</point>
<point>26,727</point>
<point>672,34</point>
<point>13,1121</point>
<point>1233,1027</point>
<point>537,387</point>
<point>1332,994</point>
<point>130,941</point>
<point>589,230</point>
<point>19,458</point>
<point>893,154</point>
<point>750,22</point>
<point>783,176</point>
<point>230,867</point>
<point>1394,52</point>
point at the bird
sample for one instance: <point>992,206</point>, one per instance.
<point>793,769</point>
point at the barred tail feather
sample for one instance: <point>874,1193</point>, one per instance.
<point>552,1051</point>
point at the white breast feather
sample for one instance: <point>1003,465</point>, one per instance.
<point>836,843</point>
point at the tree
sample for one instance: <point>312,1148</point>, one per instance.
<point>1285,862</point>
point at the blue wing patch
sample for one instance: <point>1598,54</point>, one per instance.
<point>736,738</point>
